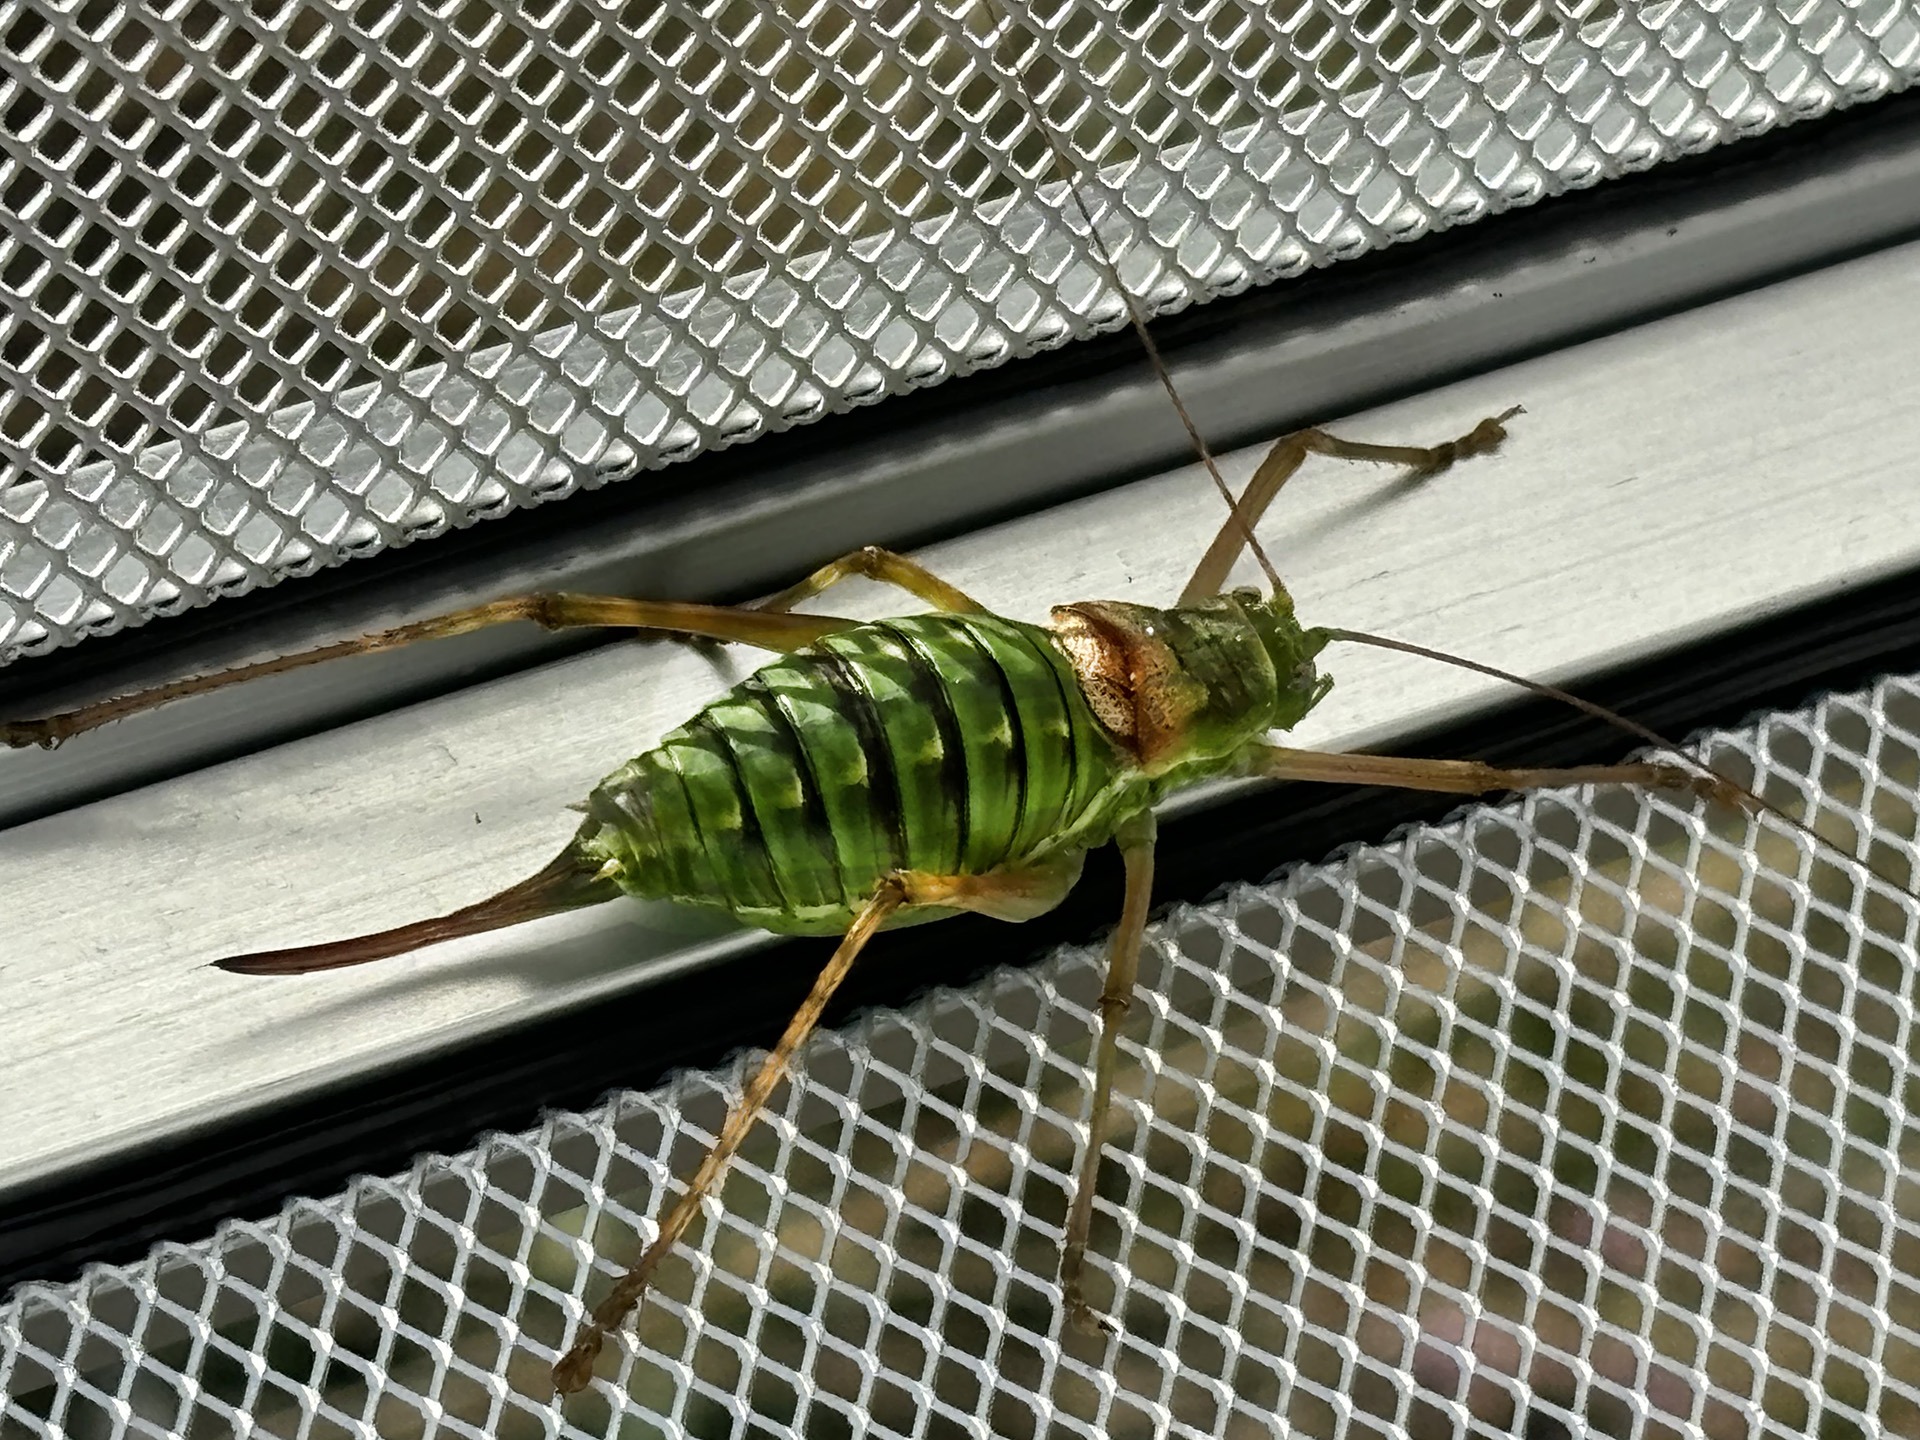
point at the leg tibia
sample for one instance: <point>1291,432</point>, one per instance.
<point>1123,971</point>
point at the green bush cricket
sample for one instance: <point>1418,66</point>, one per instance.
<point>884,774</point>
<point>906,770</point>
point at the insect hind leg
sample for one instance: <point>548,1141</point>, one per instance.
<point>1290,452</point>
<point>553,611</point>
<point>1009,894</point>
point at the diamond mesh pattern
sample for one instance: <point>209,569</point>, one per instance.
<point>1583,1109</point>
<point>283,284</point>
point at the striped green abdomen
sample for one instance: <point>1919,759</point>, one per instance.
<point>952,744</point>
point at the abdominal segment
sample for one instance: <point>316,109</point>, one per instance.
<point>948,744</point>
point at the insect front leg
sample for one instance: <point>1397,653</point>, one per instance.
<point>1012,894</point>
<point>760,628</point>
<point>1116,997</point>
<point>1290,452</point>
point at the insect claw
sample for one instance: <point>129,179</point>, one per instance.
<point>574,1372</point>
<point>1728,793</point>
<point>1087,1320</point>
<point>1487,436</point>
<point>1722,791</point>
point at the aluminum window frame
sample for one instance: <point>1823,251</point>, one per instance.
<point>168,1045</point>
<point>1591,481</point>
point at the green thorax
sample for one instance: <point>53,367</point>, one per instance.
<point>1187,691</point>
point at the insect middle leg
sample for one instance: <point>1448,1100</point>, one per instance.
<point>555,611</point>
<point>888,568</point>
<point>1008,895</point>
<point>1291,451</point>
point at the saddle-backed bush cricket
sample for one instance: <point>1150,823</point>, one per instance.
<point>1098,716</point>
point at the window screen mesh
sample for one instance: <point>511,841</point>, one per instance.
<point>285,283</point>
<point>1592,1108</point>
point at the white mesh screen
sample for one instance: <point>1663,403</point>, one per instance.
<point>1586,1109</point>
<point>286,283</point>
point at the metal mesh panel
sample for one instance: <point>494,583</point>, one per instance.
<point>284,284</point>
<point>1585,1109</point>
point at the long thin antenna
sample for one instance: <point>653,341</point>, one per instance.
<point>1064,167</point>
<point>1725,788</point>
<point>1729,789</point>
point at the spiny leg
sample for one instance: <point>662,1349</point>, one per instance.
<point>886,567</point>
<point>1008,895</point>
<point>1471,777</point>
<point>1287,456</point>
<point>1123,971</point>
<point>554,611</point>
<point>575,1368</point>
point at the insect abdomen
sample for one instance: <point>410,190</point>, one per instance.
<point>944,743</point>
